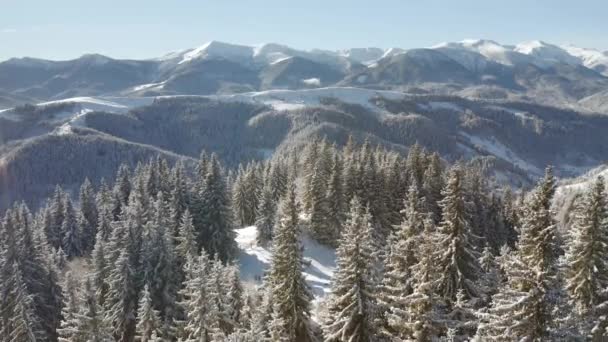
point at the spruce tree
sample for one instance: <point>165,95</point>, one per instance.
<point>587,255</point>
<point>415,316</point>
<point>69,325</point>
<point>518,311</point>
<point>320,225</point>
<point>148,319</point>
<point>290,292</point>
<point>352,311</point>
<point>403,251</point>
<point>538,229</point>
<point>121,302</point>
<point>72,239</point>
<point>23,323</point>
<point>195,303</point>
<point>213,218</point>
<point>457,258</point>
<point>186,239</point>
<point>335,198</point>
<point>586,259</point>
<point>91,326</point>
<point>265,217</point>
<point>88,216</point>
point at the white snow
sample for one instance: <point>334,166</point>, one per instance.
<point>494,147</point>
<point>9,115</point>
<point>109,104</point>
<point>312,82</point>
<point>255,260</point>
<point>150,86</point>
<point>293,99</point>
<point>279,58</point>
<point>518,113</point>
<point>546,52</point>
<point>590,58</point>
<point>362,78</point>
<point>76,120</point>
<point>215,49</point>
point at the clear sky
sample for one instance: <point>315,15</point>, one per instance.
<point>64,29</point>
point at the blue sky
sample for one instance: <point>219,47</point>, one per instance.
<point>63,29</point>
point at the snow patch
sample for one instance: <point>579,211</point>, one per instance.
<point>519,114</point>
<point>150,86</point>
<point>255,261</point>
<point>216,49</point>
<point>296,99</point>
<point>499,150</point>
<point>312,82</point>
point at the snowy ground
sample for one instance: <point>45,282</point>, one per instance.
<point>254,260</point>
<point>293,99</point>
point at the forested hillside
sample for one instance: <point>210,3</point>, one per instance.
<point>426,251</point>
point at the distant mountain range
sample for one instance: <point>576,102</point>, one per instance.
<point>534,71</point>
<point>513,109</point>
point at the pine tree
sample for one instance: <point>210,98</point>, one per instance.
<point>587,255</point>
<point>538,229</point>
<point>265,217</point>
<point>196,303</point>
<point>415,317</point>
<point>88,216</point>
<point>462,319</point>
<point>72,239</point>
<point>352,308</point>
<point>234,296</point>
<point>69,325</point>
<point>122,190</point>
<point>335,198</point>
<point>100,269</point>
<point>518,311</point>
<point>24,324</point>
<point>320,226</point>
<point>432,185</point>
<point>457,257</point>
<point>148,319</point>
<point>213,218</point>
<point>120,304</point>
<point>402,253</point>
<point>241,206</point>
<point>54,231</point>
<point>289,290</point>
<point>278,329</point>
<point>186,239</point>
<point>91,326</point>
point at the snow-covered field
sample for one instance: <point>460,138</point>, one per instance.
<point>254,260</point>
<point>284,99</point>
<point>499,150</point>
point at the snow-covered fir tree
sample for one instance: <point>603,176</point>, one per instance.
<point>290,292</point>
<point>586,259</point>
<point>265,217</point>
<point>148,319</point>
<point>352,307</point>
<point>457,257</point>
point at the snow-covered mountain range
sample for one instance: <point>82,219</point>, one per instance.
<point>548,73</point>
<point>515,108</point>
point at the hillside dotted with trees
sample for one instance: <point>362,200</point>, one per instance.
<point>425,251</point>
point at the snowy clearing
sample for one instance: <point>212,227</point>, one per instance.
<point>255,260</point>
<point>286,99</point>
<point>499,150</point>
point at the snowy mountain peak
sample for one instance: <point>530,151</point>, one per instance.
<point>547,52</point>
<point>216,49</point>
<point>363,55</point>
<point>591,58</point>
